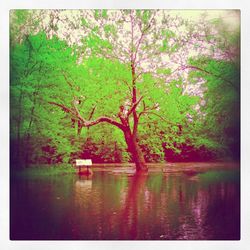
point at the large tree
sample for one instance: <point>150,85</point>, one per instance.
<point>138,46</point>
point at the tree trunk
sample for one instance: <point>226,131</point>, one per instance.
<point>135,152</point>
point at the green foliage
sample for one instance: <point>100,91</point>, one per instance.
<point>35,68</point>
<point>164,71</point>
<point>95,43</point>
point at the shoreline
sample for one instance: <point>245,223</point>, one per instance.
<point>64,169</point>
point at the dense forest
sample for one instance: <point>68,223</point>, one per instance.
<point>123,86</point>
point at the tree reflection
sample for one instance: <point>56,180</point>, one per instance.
<point>130,210</point>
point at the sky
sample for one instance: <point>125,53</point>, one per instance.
<point>232,17</point>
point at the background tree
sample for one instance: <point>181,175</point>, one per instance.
<point>220,121</point>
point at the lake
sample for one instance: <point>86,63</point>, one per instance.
<point>192,201</point>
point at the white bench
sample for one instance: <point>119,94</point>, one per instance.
<point>83,162</point>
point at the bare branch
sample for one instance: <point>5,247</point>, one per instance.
<point>153,113</point>
<point>64,108</point>
<point>132,37</point>
<point>133,107</point>
<point>92,112</point>
<point>205,71</point>
<point>126,83</point>
<point>66,79</point>
<point>138,75</point>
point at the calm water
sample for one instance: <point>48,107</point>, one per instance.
<point>112,205</point>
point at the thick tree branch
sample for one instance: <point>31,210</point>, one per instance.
<point>103,119</point>
<point>86,123</point>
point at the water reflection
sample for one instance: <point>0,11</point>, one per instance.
<point>82,191</point>
<point>154,206</point>
<point>83,184</point>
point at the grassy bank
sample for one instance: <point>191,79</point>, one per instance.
<point>45,170</point>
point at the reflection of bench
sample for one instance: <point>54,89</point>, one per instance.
<point>84,163</point>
